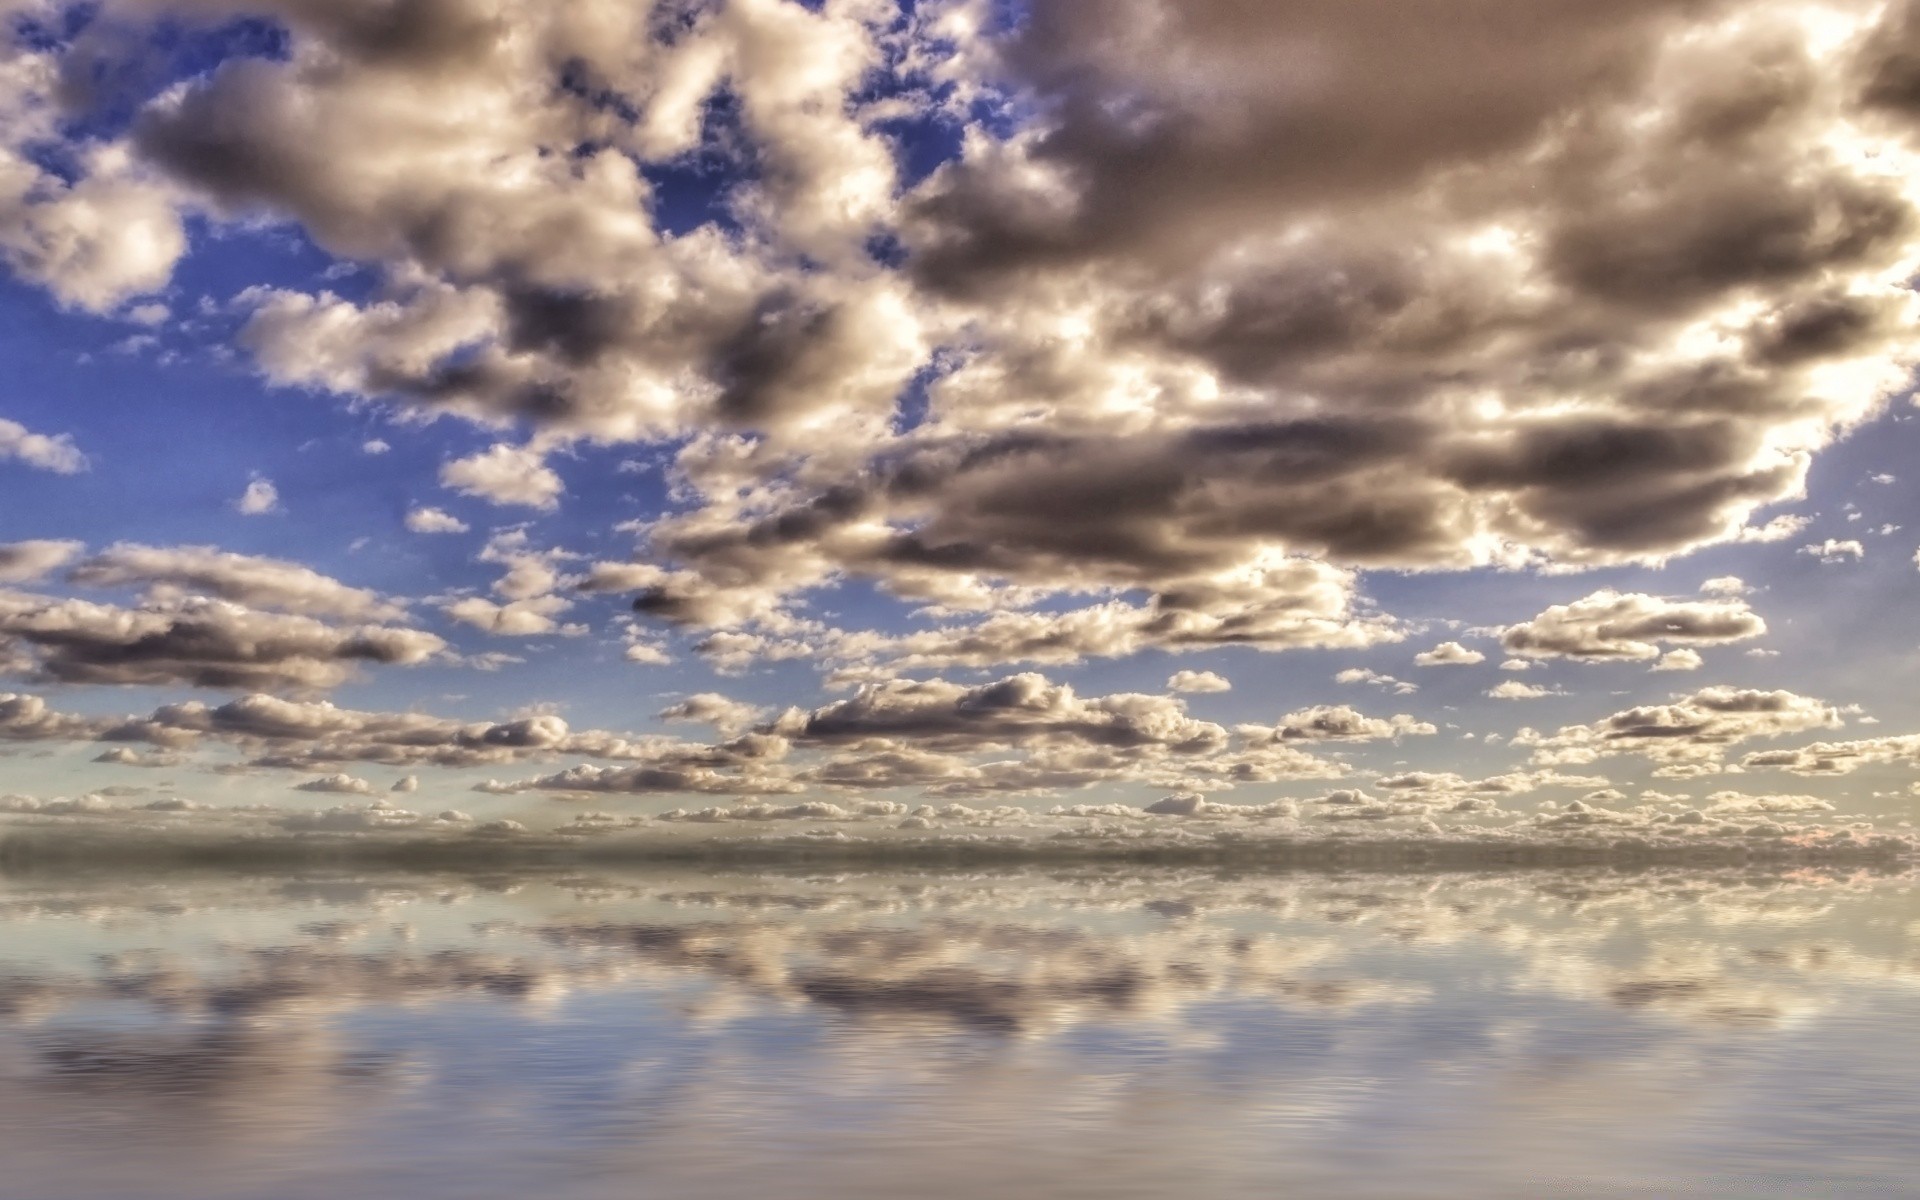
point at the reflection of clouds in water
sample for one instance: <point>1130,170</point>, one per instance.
<point>988,1029</point>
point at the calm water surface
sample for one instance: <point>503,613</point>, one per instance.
<point>1086,1034</point>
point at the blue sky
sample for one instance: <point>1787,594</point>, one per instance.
<point>763,403</point>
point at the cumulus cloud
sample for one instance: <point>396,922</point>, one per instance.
<point>506,475</point>
<point>1513,689</point>
<point>434,520</point>
<point>1198,682</point>
<point>341,784</point>
<point>1610,625</point>
<point>260,498</point>
<point>528,604</point>
<point>1448,654</point>
<point>1679,660</point>
<point>1836,758</point>
<point>1342,723</point>
<point>1398,687</point>
<point>169,573</point>
<point>32,561</point>
<point>199,642</point>
<point>55,453</point>
<point>1835,551</point>
<point>1690,730</point>
<point>1155,351</point>
<point>710,708</point>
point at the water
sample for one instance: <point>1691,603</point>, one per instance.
<point>1081,1033</point>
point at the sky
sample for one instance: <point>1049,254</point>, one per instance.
<point>1352,415</point>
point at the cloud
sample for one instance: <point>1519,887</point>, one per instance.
<point>1679,660</point>
<point>30,562</point>
<point>260,498</point>
<point>57,453</point>
<point>1833,551</point>
<point>1623,309</point>
<point>1198,682</point>
<point>528,605</point>
<point>726,715</point>
<point>1398,687</point>
<point>1610,625</point>
<point>1725,585</point>
<point>1448,654</point>
<point>506,475</point>
<point>434,520</point>
<point>1513,689</point>
<point>1023,709</point>
<point>169,573</point>
<point>198,642</point>
<point>1836,758</point>
<point>1690,730</point>
<point>1342,723</point>
<point>347,785</point>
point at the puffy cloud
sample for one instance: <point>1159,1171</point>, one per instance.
<point>346,785</point>
<point>528,604</point>
<point>1198,681</point>
<point>1513,689</point>
<point>1690,730</point>
<point>29,562</point>
<point>260,498</point>
<point>198,642</point>
<point>28,719</point>
<point>1725,585</point>
<point>1448,654</point>
<point>1835,551</point>
<point>1398,687</point>
<point>1610,625</point>
<point>434,520</point>
<point>374,816</point>
<point>1024,709</point>
<point>710,708</point>
<point>1837,758</point>
<point>47,453</point>
<point>505,475</point>
<point>1679,660</point>
<point>1342,723</point>
<point>1299,604</point>
<point>1154,350</point>
<point>168,572</point>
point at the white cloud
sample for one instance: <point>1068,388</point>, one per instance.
<point>1679,660</point>
<point>347,785</point>
<point>26,562</point>
<point>1835,551</point>
<point>1448,654</point>
<point>1610,625</point>
<point>434,520</point>
<point>260,498</point>
<point>1513,689</point>
<point>1198,682</point>
<point>55,453</point>
<point>506,475</point>
<point>171,572</point>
